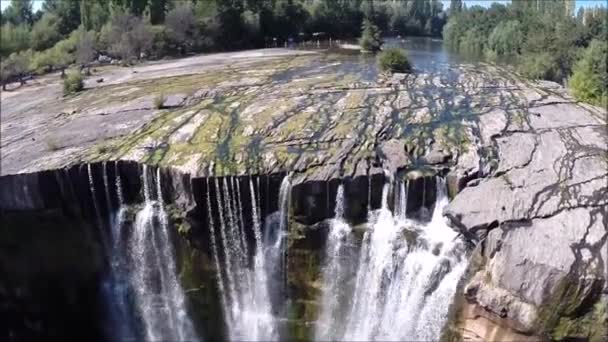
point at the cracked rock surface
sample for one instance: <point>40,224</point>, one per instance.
<point>540,214</point>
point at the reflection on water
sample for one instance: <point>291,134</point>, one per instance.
<point>427,55</point>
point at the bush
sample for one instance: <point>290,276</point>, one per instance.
<point>394,60</point>
<point>371,39</point>
<point>159,101</point>
<point>538,66</point>
<point>589,82</point>
<point>73,83</point>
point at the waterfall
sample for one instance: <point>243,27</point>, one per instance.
<point>329,326</point>
<point>403,287</point>
<point>115,286</point>
<point>275,243</point>
<point>159,297</point>
<point>243,286</point>
<point>401,201</point>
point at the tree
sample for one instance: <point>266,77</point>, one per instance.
<point>85,48</point>
<point>371,39</point>
<point>506,39</point>
<point>589,80</point>
<point>182,26</point>
<point>158,9</point>
<point>19,12</point>
<point>68,12</point>
<point>231,23</point>
<point>94,14</point>
<point>455,6</point>
<point>45,32</point>
<point>14,38</point>
<point>126,36</point>
<point>15,67</point>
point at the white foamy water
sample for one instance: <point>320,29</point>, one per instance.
<point>144,299</point>
<point>159,298</point>
<point>244,286</point>
<point>402,291</point>
<point>328,328</point>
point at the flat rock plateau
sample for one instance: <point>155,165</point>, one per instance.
<point>526,165</point>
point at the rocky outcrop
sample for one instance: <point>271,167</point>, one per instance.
<point>541,217</point>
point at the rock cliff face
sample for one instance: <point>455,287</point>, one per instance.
<point>525,164</point>
<point>540,216</point>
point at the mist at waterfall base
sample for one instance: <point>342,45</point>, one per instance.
<point>406,274</point>
<point>144,300</point>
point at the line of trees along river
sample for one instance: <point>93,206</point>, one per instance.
<point>545,39</point>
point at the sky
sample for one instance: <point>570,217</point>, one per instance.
<point>486,3</point>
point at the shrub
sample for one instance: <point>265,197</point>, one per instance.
<point>73,83</point>
<point>394,60</point>
<point>538,66</point>
<point>371,39</point>
<point>159,101</point>
<point>589,82</point>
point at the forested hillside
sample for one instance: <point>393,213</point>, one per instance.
<point>544,39</point>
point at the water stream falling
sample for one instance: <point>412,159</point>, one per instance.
<point>275,244</point>
<point>245,286</point>
<point>334,274</point>
<point>403,286</point>
<point>159,297</point>
<point>143,297</point>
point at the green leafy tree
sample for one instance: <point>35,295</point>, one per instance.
<point>19,12</point>
<point>94,14</point>
<point>14,38</point>
<point>371,39</point>
<point>45,32</point>
<point>68,12</point>
<point>506,39</point>
<point>589,82</point>
<point>231,23</point>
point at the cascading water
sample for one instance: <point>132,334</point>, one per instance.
<point>244,288</point>
<point>159,297</point>
<point>146,254</point>
<point>116,286</point>
<point>403,286</point>
<point>275,243</point>
<point>328,328</point>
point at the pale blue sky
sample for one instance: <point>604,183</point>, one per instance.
<point>579,3</point>
<point>487,3</point>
